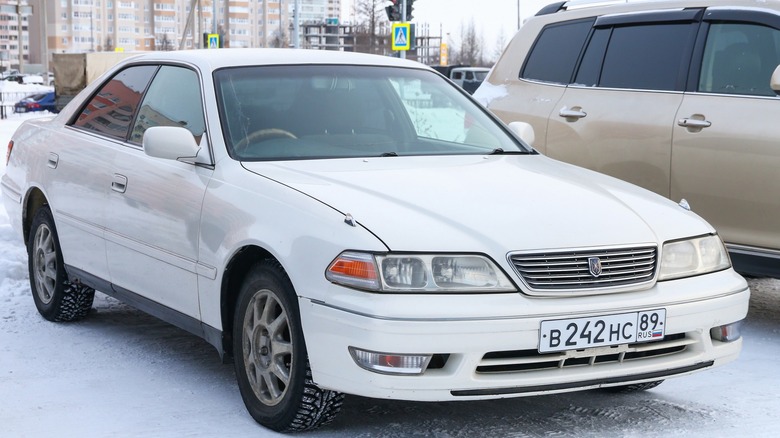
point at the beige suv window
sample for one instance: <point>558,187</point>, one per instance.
<point>739,58</point>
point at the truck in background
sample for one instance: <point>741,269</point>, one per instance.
<point>74,71</point>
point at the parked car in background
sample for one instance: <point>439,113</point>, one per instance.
<point>328,230</point>
<point>679,97</point>
<point>36,102</point>
<point>469,78</point>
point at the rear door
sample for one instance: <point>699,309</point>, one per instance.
<point>726,157</point>
<point>82,160</point>
<point>543,77</point>
<point>617,115</point>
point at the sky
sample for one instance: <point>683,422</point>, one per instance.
<point>491,17</point>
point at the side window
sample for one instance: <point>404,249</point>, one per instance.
<point>173,99</point>
<point>555,53</point>
<point>589,72</point>
<point>457,76</point>
<point>647,57</point>
<point>739,59</point>
<point>111,110</point>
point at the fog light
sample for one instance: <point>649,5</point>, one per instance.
<point>389,363</point>
<point>726,333</point>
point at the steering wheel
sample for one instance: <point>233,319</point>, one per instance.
<point>263,134</point>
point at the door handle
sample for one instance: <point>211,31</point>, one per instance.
<point>53,160</point>
<point>694,123</point>
<point>119,184</point>
<point>572,114</point>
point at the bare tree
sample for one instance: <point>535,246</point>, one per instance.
<point>371,17</point>
<point>279,39</point>
<point>165,45</point>
<point>470,48</point>
<point>500,46</point>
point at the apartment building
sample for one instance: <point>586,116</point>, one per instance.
<point>75,26</point>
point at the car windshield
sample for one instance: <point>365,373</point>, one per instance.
<point>329,111</point>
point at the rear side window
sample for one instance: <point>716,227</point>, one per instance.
<point>555,52</point>
<point>111,110</point>
<point>739,58</point>
<point>648,57</point>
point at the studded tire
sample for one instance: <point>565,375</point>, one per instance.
<point>634,388</point>
<point>56,298</point>
<point>271,363</point>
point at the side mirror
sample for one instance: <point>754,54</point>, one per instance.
<point>774,82</point>
<point>523,130</point>
<point>170,143</point>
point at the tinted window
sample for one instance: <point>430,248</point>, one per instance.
<point>590,67</point>
<point>173,99</point>
<point>555,53</point>
<point>648,57</point>
<point>111,110</point>
<point>739,59</point>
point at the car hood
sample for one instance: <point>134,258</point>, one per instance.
<point>491,204</point>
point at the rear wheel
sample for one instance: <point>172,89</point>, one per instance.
<point>270,356</point>
<point>634,388</point>
<point>56,298</point>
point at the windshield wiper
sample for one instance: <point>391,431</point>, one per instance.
<point>499,151</point>
<point>389,154</point>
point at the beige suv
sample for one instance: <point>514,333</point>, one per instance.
<point>679,97</point>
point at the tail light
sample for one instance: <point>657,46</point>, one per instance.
<point>8,154</point>
<point>34,105</point>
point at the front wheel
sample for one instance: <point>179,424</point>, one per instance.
<point>271,363</point>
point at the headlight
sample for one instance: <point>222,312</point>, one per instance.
<point>418,273</point>
<point>686,258</point>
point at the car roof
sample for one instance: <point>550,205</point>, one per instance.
<point>600,7</point>
<point>218,58</point>
<point>471,69</point>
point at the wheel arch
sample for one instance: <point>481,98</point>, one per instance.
<point>236,270</point>
<point>34,200</point>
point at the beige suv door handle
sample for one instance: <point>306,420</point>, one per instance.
<point>694,123</point>
<point>572,114</point>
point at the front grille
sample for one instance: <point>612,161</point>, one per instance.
<point>532,360</point>
<point>570,269</point>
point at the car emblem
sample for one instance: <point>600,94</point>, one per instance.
<point>594,266</point>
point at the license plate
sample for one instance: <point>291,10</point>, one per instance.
<point>21,110</point>
<point>597,331</point>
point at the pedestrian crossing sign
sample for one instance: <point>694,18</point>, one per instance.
<point>213,41</point>
<point>401,36</point>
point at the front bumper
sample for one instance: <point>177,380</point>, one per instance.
<point>496,357</point>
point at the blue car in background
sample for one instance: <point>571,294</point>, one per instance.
<point>36,102</point>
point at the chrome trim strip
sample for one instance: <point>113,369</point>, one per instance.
<point>511,317</point>
<point>583,384</point>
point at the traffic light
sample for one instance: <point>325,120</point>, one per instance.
<point>394,10</point>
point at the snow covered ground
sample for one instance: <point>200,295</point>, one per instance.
<point>121,373</point>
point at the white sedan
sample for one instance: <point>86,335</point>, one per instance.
<point>341,223</point>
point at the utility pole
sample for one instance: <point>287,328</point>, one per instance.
<point>297,25</point>
<point>21,42</point>
<point>402,53</point>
